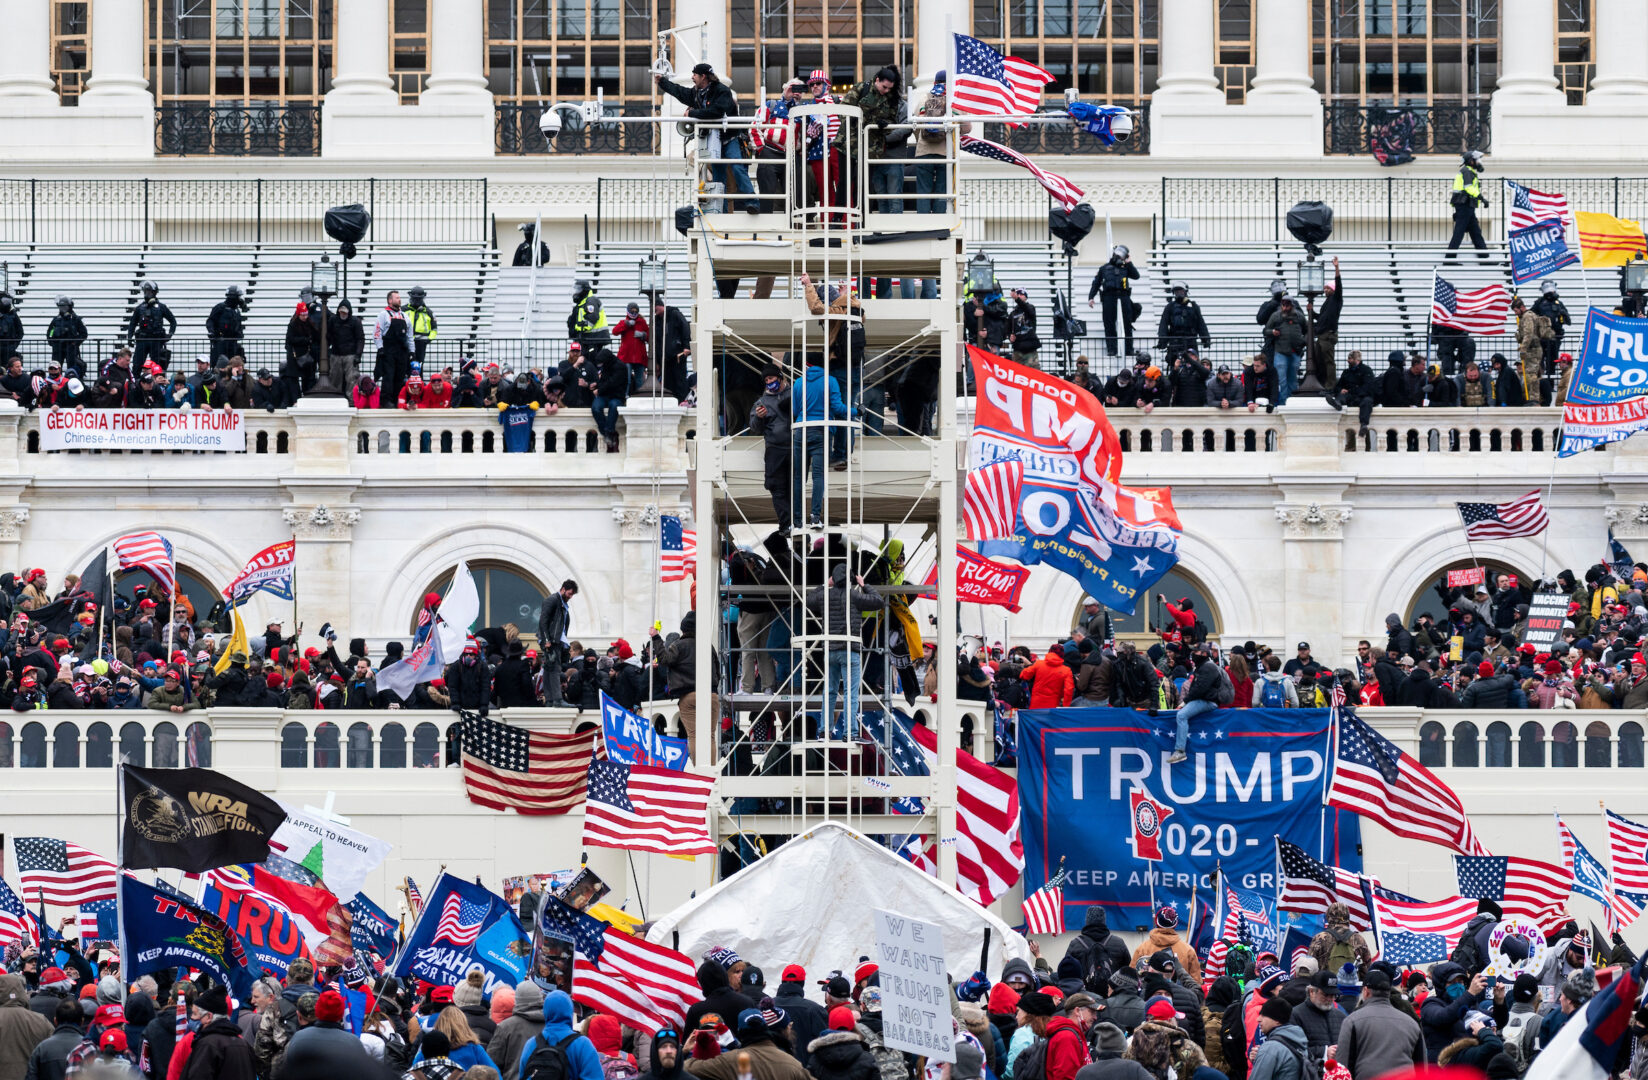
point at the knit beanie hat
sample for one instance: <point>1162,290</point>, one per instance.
<point>1277,1009</point>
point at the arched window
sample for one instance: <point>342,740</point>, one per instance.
<point>202,594</point>
<point>1499,745</point>
<point>327,755</point>
<point>99,746</point>
<point>165,745</point>
<point>1565,746</point>
<point>1429,600</point>
<point>1432,745</point>
<point>426,746</point>
<point>360,746</point>
<point>133,749</point>
<point>508,595</point>
<point>5,745</point>
<point>1464,745</point>
<point>34,746</point>
<point>1530,745</point>
<point>1630,745</point>
<point>392,747</point>
<point>66,746</point>
<point>1151,616</point>
<point>454,744</point>
<point>1599,749</point>
<point>198,737</point>
<point>294,747</point>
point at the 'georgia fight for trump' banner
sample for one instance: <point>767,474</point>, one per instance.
<point>1252,775</point>
<point>1608,391</point>
<point>1073,513</point>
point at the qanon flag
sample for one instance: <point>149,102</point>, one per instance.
<point>1608,391</point>
<point>465,928</point>
<point>271,570</point>
<point>1073,512</point>
<point>193,819</point>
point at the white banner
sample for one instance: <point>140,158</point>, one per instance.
<point>142,429</point>
<point>915,994</point>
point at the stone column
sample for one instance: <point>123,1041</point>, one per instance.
<point>322,562</point>
<point>1527,51</point>
<point>361,66</point>
<point>117,51</point>
<point>1621,51</point>
<point>703,44</point>
<point>936,21</point>
<point>457,51</point>
<point>1186,52</point>
<point>1283,68</point>
<point>25,61</point>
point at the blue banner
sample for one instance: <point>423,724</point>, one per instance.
<point>1252,775</point>
<point>631,739</point>
<point>1608,391</point>
<point>162,931</point>
<point>477,931</point>
<point>372,927</point>
<point>1539,250</point>
<point>268,932</point>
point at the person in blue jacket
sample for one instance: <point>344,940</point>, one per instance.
<point>582,1058</point>
<point>816,396</point>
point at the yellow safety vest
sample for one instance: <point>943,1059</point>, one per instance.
<point>423,322</point>
<point>583,325</point>
<point>1473,188</point>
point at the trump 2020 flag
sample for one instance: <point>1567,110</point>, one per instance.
<point>193,819</point>
<point>273,570</point>
<point>631,740</point>
<point>1608,390</point>
<point>463,926</point>
<point>160,930</point>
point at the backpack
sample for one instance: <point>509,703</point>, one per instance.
<point>1133,676</point>
<point>1466,954</point>
<point>1341,952</point>
<point>1309,1067</point>
<point>1521,1030</point>
<point>549,1060</point>
<point>618,1067</point>
<point>1273,695</point>
<point>288,1017</point>
<point>396,1054</point>
<point>1233,1040</point>
<point>1031,1064</point>
<point>1225,695</point>
<point>1013,693</point>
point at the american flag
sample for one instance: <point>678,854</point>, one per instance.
<point>1520,886</point>
<point>1044,908</point>
<point>148,551</point>
<point>647,986</point>
<point>1230,929</point>
<point>1476,311</point>
<point>414,898</point>
<point>1591,880</point>
<point>1628,845</point>
<point>990,499</point>
<point>1309,885</point>
<point>678,555</point>
<point>94,919</point>
<point>986,83</point>
<point>989,853</point>
<point>1063,191</point>
<point>644,808</point>
<point>1336,696</point>
<point>1373,778</point>
<point>1416,932</point>
<point>15,922</point>
<point>533,772</point>
<point>62,873</point>
<point>1501,521</point>
<point>461,921</point>
<point>1530,207</point>
<point>180,1026</point>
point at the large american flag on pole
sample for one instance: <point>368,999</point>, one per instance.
<point>989,853</point>
<point>1628,847</point>
<point>148,551</point>
<point>1065,193</point>
<point>990,499</point>
<point>1373,778</point>
<point>986,83</point>
<point>62,873</point>
<point>645,808</point>
<point>534,772</point>
<point>1476,311</point>
<point>1529,207</point>
<point>1520,886</point>
<point>1309,885</point>
<point>1501,521</point>
<point>647,986</point>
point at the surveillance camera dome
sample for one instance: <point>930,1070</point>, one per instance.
<point>549,123</point>
<point>1122,127</point>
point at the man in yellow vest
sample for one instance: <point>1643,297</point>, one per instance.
<point>1467,196</point>
<point>587,325</point>
<point>423,326</point>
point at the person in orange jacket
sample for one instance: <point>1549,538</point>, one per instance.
<point>1051,684</point>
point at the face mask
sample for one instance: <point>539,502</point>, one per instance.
<point>1454,992</point>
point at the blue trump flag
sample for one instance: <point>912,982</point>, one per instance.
<point>465,928</point>
<point>1252,775</point>
<point>1539,250</point>
<point>267,930</point>
<point>1608,391</point>
<point>372,927</point>
<point>161,931</point>
<point>631,740</point>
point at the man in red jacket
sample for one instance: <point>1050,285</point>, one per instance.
<point>1066,1041</point>
<point>1051,684</point>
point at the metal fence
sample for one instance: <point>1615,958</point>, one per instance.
<point>261,129</point>
<point>1397,209</point>
<point>516,131</point>
<point>1397,133</point>
<point>1235,350</point>
<point>237,211</point>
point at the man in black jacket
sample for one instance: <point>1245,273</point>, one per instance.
<point>1205,692</point>
<point>554,621</point>
<point>1099,952</point>
<point>345,341</point>
<point>807,1017</point>
<point>151,325</point>
<point>1357,387</point>
<point>771,419</point>
<point>671,345</point>
<point>1319,1015</point>
<point>842,607</point>
<point>226,324</point>
<point>512,681</point>
<point>1189,380</point>
<point>711,99</point>
<point>1324,326</point>
<point>1182,324</point>
<point>469,682</point>
<point>1021,334</point>
<point>1112,284</point>
<point>67,333</point>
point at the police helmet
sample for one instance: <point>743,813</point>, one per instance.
<point>1179,286</point>
<point>1142,357</point>
<point>1278,287</point>
<point>581,285</point>
<point>417,293</point>
<point>1120,251</point>
<point>1547,287</point>
<point>1473,157</point>
<point>64,301</point>
<point>232,292</point>
<point>150,288</point>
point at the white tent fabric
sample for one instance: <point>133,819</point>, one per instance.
<point>812,901</point>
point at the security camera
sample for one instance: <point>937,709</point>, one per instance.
<point>549,123</point>
<point>1071,95</point>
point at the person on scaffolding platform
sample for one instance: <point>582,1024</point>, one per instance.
<point>711,99</point>
<point>823,159</point>
<point>843,608</point>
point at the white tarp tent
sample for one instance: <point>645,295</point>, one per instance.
<point>812,902</point>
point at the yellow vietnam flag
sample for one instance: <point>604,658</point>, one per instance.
<point>617,917</point>
<point>1605,240</point>
<point>237,643</point>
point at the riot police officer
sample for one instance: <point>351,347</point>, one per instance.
<point>1182,324</point>
<point>524,250</point>
<point>11,328</point>
<point>1551,306</point>
<point>1466,197</point>
<point>1112,285</point>
<point>587,325</point>
<point>423,326</point>
<point>67,333</point>
<point>152,325</point>
<point>225,325</point>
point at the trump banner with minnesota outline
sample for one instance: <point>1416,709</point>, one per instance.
<point>1252,775</point>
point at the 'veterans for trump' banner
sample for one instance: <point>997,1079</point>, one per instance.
<point>1608,391</point>
<point>1073,514</point>
<point>464,928</point>
<point>1252,775</point>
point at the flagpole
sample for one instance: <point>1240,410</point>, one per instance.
<point>1550,486</point>
<point>636,878</point>
<point>119,871</point>
<point>1430,315</point>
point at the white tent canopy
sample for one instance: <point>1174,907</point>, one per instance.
<point>812,902</point>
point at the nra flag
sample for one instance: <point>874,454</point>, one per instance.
<point>193,819</point>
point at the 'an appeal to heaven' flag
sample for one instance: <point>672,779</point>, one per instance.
<point>640,808</point>
<point>986,83</point>
<point>1373,778</point>
<point>148,551</point>
<point>337,854</point>
<point>1501,521</point>
<point>271,570</point>
<point>499,945</point>
<point>161,930</point>
<point>1605,240</point>
<point>61,873</point>
<point>533,772</point>
<point>1064,192</point>
<point>1528,206</point>
<point>193,819</point>
<point>1608,390</point>
<point>1538,250</point>
<point>1476,311</point>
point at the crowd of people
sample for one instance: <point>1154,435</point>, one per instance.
<point>1109,1010</point>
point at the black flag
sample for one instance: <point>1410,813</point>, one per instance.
<point>194,820</point>
<point>59,615</point>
